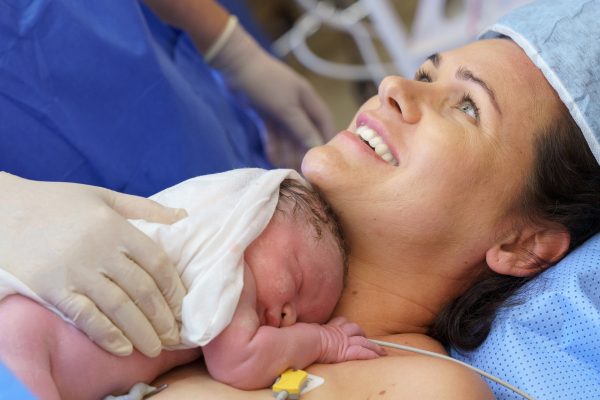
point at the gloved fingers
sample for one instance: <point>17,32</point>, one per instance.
<point>134,207</point>
<point>281,150</point>
<point>367,344</point>
<point>297,122</point>
<point>84,313</point>
<point>148,255</point>
<point>145,294</point>
<point>126,316</point>
<point>318,111</point>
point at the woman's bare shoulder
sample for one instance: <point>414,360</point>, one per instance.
<point>394,376</point>
<point>411,376</point>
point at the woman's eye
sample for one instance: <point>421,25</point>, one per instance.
<point>468,109</point>
<point>467,105</point>
<point>422,76</point>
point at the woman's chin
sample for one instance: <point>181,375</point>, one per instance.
<point>324,166</point>
<point>315,165</point>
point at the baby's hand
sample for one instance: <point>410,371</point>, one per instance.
<point>345,341</point>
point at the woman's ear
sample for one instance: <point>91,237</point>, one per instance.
<point>517,254</point>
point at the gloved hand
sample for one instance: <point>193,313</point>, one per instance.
<point>72,245</point>
<point>274,88</point>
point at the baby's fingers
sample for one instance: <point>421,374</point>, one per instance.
<point>360,353</point>
<point>349,328</point>
<point>367,344</point>
<point>352,329</point>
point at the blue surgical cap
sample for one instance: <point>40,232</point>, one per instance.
<point>562,37</point>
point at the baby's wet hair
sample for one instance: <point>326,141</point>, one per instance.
<point>301,201</point>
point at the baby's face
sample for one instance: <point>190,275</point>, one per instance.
<point>298,277</point>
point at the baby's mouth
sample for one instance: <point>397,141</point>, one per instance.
<point>375,141</point>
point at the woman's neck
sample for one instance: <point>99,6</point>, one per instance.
<point>392,299</point>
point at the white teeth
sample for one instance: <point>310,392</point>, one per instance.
<point>368,134</point>
<point>376,142</point>
<point>360,129</point>
<point>388,157</point>
<point>381,149</point>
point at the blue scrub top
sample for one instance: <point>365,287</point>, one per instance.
<point>102,92</point>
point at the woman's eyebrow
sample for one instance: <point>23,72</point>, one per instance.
<point>466,75</point>
<point>435,59</point>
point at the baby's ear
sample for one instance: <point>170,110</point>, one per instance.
<point>517,253</point>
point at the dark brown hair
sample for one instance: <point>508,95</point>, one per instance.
<point>563,188</point>
<point>310,204</point>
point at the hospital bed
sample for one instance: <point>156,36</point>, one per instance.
<point>366,21</point>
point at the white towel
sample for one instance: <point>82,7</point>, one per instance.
<point>227,211</point>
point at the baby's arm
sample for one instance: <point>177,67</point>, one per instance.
<point>55,360</point>
<point>249,356</point>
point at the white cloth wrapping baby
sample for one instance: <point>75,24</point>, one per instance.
<point>227,211</point>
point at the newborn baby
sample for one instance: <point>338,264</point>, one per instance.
<point>293,278</point>
<point>289,275</point>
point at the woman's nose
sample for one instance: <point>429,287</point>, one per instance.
<point>402,95</point>
<point>288,315</point>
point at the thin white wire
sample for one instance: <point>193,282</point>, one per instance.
<point>480,372</point>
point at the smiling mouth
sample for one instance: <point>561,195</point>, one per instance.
<point>375,141</point>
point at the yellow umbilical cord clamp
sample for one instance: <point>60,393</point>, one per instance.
<point>291,382</point>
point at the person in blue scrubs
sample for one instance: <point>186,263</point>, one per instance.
<point>106,93</point>
<point>132,97</point>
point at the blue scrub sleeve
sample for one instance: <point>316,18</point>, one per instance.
<point>104,93</point>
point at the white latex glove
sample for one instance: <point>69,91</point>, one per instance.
<point>72,245</point>
<point>274,88</point>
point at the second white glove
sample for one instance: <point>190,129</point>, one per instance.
<point>274,88</point>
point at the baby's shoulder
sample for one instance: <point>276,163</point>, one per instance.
<point>25,321</point>
<point>27,326</point>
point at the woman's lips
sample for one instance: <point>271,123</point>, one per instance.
<point>376,142</point>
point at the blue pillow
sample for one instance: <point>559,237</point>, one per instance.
<point>549,346</point>
<point>11,388</point>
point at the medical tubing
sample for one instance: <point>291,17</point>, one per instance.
<point>283,395</point>
<point>480,372</point>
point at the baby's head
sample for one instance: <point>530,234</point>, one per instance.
<point>299,260</point>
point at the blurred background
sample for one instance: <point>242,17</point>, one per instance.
<point>394,36</point>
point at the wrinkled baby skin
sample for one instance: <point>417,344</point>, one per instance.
<point>292,281</point>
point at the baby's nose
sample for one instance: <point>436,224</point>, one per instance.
<point>288,315</point>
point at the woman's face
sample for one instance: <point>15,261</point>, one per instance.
<point>462,134</point>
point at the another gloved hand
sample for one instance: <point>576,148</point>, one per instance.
<point>72,245</point>
<point>274,88</point>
